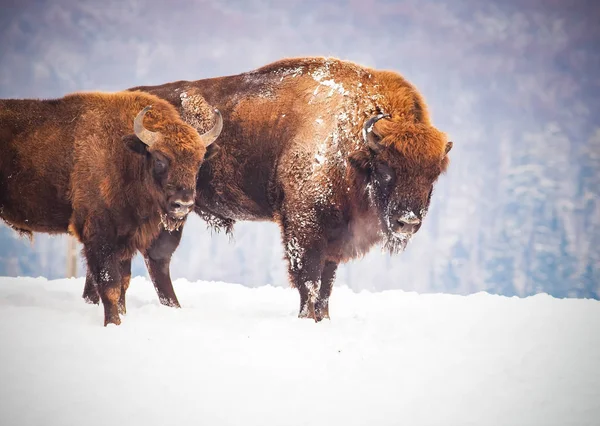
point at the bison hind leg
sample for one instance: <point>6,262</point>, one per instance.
<point>308,297</point>
<point>104,268</point>
<point>304,267</point>
<point>125,267</point>
<point>327,279</point>
<point>90,290</point>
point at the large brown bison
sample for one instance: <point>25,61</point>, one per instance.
<point>114,169</point>
<point>341,156</point>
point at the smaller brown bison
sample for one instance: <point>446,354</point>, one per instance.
<point>114,169</point>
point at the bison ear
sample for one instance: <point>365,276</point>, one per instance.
<point>135,144</point>
<point>211,150</point>
<point>360,159</point>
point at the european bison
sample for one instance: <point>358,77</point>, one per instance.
<point>341,156</point>
<point>114,169</point>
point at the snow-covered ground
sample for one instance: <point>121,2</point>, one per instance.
<point>239,356</point>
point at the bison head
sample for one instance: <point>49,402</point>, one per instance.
<point>173,155</point>
<point>399,164</point>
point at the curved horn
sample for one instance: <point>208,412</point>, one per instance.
<point>145,135</point>
<point>368,128</point>
<point>210,136</point>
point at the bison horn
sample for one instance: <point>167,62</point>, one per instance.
<point>143,134</point>
<point>211,135</point>
<point>369,137</point>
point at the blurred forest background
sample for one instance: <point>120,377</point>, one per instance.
<point>516,85</point>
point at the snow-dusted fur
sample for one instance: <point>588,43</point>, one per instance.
<point>297,150</point>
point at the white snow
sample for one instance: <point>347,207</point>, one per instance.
<point>239,356</point>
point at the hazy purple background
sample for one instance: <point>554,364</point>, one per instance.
<point>514,83</point>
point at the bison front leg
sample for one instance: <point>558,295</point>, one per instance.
<point>305,265</point>
<point>90,290</point>
<point>158,262</point>
<point>104,267</point>
<point>327,279</point>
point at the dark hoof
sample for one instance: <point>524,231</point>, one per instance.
<point>111,316</point>
<point>171,303</point>
<point>308,311</point>
<point>319,318</point>
<point>321,311</point>
<point>112,320</point>
<point>92,300</point>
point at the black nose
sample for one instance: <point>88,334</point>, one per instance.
<point>406,224</point>
<point>180,207</point>
<point>181,204</point>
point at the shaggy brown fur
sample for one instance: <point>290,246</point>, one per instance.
<point>73,165</point>
<point>297,149</point>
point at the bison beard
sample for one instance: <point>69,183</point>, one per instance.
<point>392,242</point>
<point>395,244</point>
<point>171,223</point>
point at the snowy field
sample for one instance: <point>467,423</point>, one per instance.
<point>239,356</point>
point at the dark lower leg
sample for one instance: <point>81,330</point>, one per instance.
<point>305,273</point>
<point>125,269</point>
<point>90,290</point>
<point>327,279</point>
<point>106,273</point>
<point>158,261</point>
<point>161,278</point>
<point>110,294</point>
<point>308,296</point>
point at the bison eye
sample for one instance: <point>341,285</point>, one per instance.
<point>384,174</point>
<point>160,166</point>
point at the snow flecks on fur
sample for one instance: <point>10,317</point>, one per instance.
<point>262,80</point>
<point>196,111</point>
<point>371,193</point>
<point>266,92</point>
<point>337,131</point>
<point>395,243</point>
<point>409,215</point>
<point>290,72</point>
<point>294,253</point>
<point>312,288</point>
<point>335,87</point>
<point>261,84</point>
<point>329,158</point>
<point>320,75</point>
<point>324,194</point>
<point>217,223</point>
<point>305,218</point>
<point>320,159</point>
